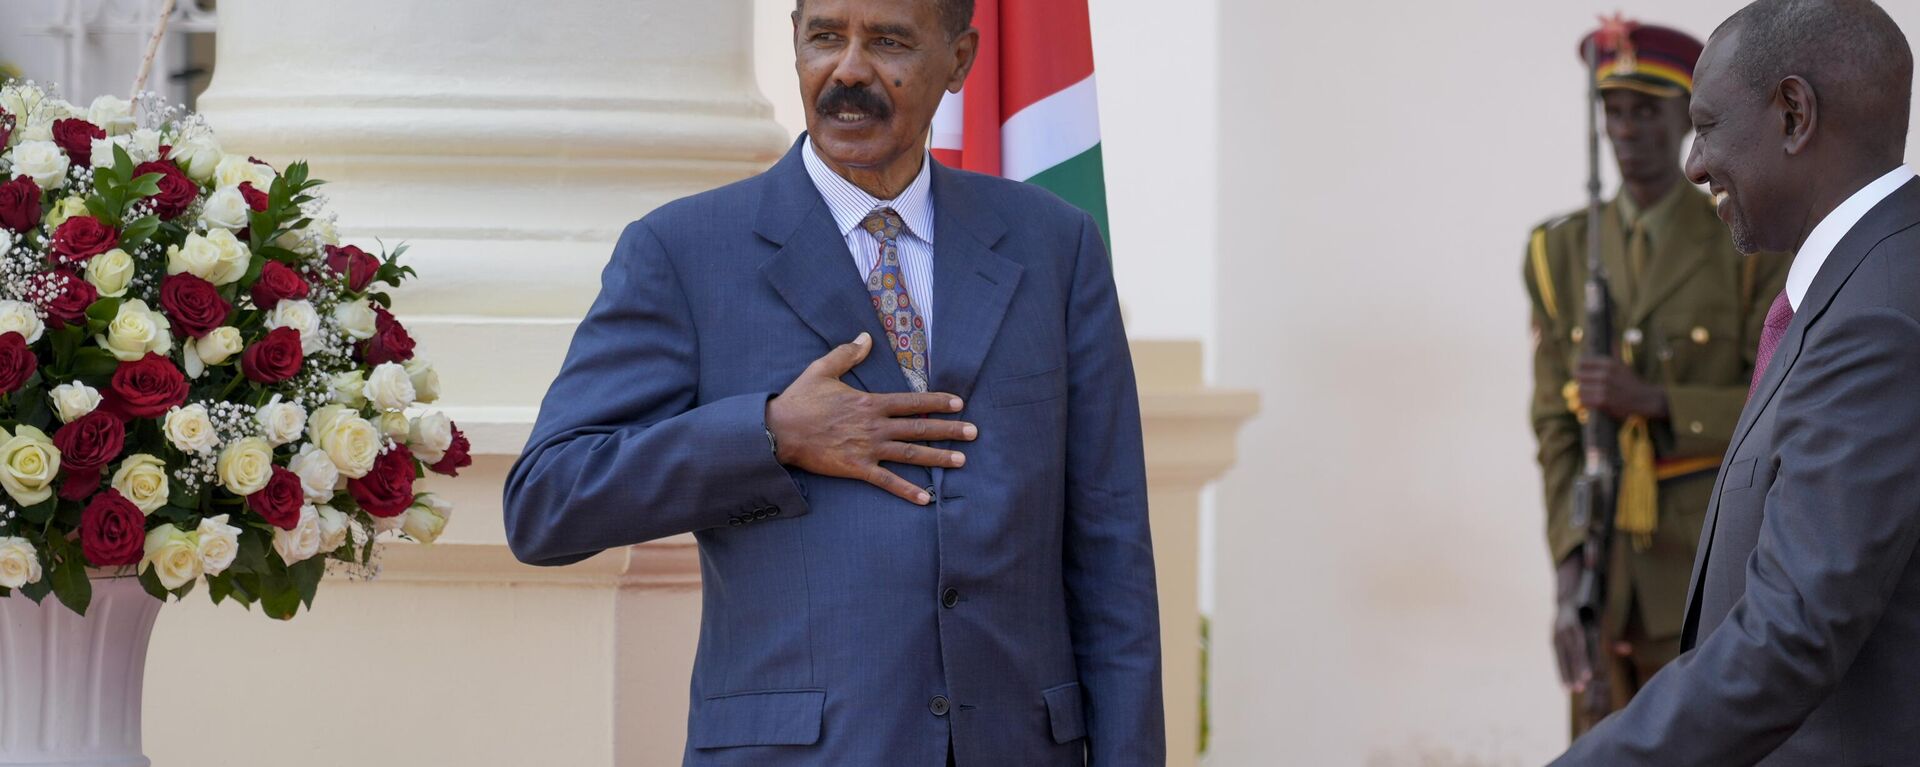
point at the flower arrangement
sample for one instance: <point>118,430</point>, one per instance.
<point>198,381</point>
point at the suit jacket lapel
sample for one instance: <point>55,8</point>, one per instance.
<point>972,285</point>
<point>814,273</point>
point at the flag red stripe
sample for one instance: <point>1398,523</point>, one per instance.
<point>1045,46</point>
<point>981,133</point>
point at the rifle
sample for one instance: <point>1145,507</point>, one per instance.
<point>1594,493</point>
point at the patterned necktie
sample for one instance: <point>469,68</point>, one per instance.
<point>906,329</point>
<point>1779,316</point>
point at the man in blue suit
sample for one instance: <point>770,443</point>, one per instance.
<point>931,553</point>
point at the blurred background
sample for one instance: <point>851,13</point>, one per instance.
<point>1325,204</point>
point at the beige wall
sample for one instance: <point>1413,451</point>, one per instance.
<point>1383,594</point>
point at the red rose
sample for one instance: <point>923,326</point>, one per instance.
<point>147,387</point>
<point>458,456</point>
<point>90,442</point>
<point>274,358</point>
<point>76,137</point>
<point>17,362</point>
<point>113,531</point>
<point>354,263</point>
<point>194,305</point>
<point>67,297</point>
<point>278,282</point>
<point>255,198</point>
<point>280,501</point>
<point>20,204</point>
<point>6,127</point>
<point>390,342</point>
<point>177,190</point>
<point>82,238</point>
<point>387,490</point>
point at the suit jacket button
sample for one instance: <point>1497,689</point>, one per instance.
<point>735,521</point>
<point>938,706</point>
<point>949,598</point>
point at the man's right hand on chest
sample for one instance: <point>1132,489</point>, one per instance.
<point>823,426</point>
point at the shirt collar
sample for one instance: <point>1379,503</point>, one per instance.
<point>1827,234</point>
<point>851,204</point>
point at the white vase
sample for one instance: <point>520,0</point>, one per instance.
<point>70,686</point>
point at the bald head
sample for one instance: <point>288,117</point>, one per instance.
<point>1850,51</point>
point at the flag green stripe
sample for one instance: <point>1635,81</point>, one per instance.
<point>1081,180</point>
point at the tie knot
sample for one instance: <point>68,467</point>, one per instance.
<point>884,224</point>
<point>1781,313</point>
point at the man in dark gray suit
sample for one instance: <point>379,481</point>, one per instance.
<point>1803,624</point>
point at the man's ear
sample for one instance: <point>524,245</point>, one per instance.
<point>1799,112</point>
<point>965,50</point>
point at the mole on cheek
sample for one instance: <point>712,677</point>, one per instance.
<point>896,83</point>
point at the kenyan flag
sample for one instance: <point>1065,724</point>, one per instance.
<point>1029,111</point>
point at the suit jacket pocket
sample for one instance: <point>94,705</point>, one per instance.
<point>1028,389</point>
<point>765,718</point>
<point>1064,712</point>
<point>1739,476</point>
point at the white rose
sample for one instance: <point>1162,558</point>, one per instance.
<point>190,429</point>
<point>174,555</point>
<point>41,160</point>
<point>245,466</point>
<point>110,273</point>
<point>219,544</point>
<point>333,528</point>
<point>114,115</point>
<point>388,524</point>
<point>389,387</point>
<point>353,443</point>
<point>28,464</point>
<point>223,342</point>
<point>198,153</point>
<point>216,257</point>
<point>426,381</point>
<point>142,479</point>
<point>101,154</point>
<point>137,330</point>
<point>6,241</point>
<point>357,319</point>
<point>19,563</point>
<point>394,424</point>
<point>226,209</point>
<point>430,436</point>
<point>303,541</point>
<point>64,209</point>
<point>20,317</point>
<point>72,400</point>
<point>235,170</point>
<point>319,478</point>
<point>299,315</point>
<point>324,418</point>
<point>349,388</point>
<point>143,145</point>
<point>282,422</point>
<point>426,518</point>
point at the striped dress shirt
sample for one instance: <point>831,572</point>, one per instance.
<point>851,204</point>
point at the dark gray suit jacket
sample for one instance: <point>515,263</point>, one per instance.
<point>1803,625</point>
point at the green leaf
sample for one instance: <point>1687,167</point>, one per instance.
<point>103,311</point>
<point>37,590</point>
<point>40,512</point>
<point>65,342</point>
<point>94,363</point>
<point>122,164</point>
<point>99,206</point>
<point>306,578</point>
<point>252,557</point>
<point>219,586</point>
<point>145,186</point>
<point>139,231</point>
<point>150,581</point>
<point>70,582</point>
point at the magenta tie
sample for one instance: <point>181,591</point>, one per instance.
<point>1779,316</point>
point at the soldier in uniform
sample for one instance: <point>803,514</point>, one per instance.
<point>1688,310</point>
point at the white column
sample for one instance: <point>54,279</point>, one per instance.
<point>507,142</point>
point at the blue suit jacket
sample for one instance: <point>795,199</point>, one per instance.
<point>826,638</point>
<point>1804,619</point>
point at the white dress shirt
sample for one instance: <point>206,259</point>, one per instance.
<point>851,204</point>
<point>1830,230</point>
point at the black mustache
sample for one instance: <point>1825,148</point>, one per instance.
<point>840,98</point>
